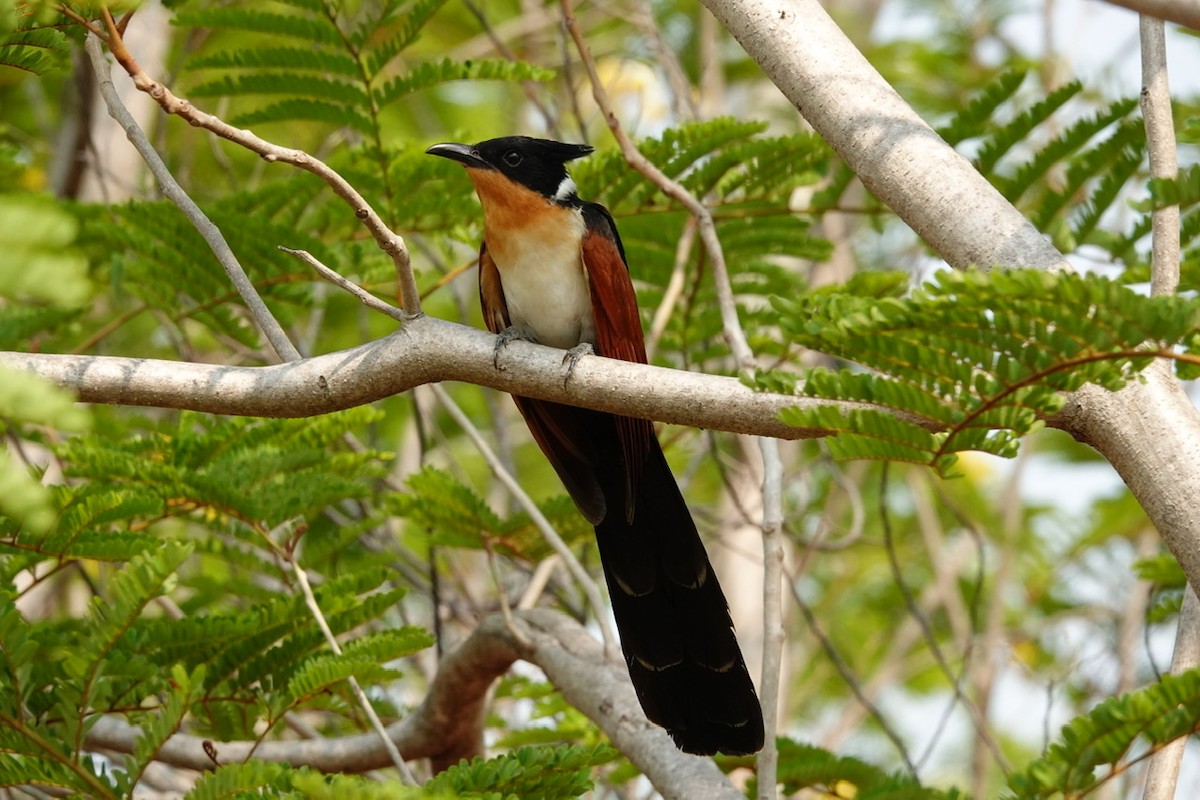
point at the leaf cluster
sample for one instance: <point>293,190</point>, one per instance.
<point>807,767</point>
<point>196,517</point>
<point>454,515</point>
<point>1117,733</point>
<point>327,62</point>
<point>972,361</point>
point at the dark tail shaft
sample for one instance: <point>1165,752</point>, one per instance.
<point>674,622</point>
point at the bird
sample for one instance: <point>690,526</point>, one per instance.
<point>552,270</point>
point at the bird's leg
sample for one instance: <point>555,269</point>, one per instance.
<point>572,358</point>
<point>509,334</point>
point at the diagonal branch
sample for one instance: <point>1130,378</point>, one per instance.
<point>265,320</point>
<point>391,243</point>
<point>448,725</point>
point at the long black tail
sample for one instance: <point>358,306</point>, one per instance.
<point>671,613</point>
<point>674,622</point>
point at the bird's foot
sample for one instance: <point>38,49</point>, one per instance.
<point>572,358</point>
<point>509,334</point>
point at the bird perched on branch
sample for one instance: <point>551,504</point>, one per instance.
<point>552,270</point>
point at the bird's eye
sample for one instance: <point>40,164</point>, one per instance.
<point>512,158</point>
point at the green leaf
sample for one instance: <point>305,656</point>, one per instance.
<point>296,108</point>
<point>997,144</point>
<point>292,59</point>
<point>155,728</point>
<point>973,120</point>
<point>307,29</point>
<point>410,24</point>
<point>972,360</point>
<point>546,772</point>
<point>1108,735</point>
<point>31,40</point>
<point>423,76</point>
<point>1183,190</point>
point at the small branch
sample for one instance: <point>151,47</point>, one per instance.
<point>366,298</point>
<point>931,642</point>
<point>590,589</point>
<point>774,636</point>
<point>391,243</point>
<point>448,725</point>
<point>310,600</point>
<point>174,192</point>
<point>1164,161</point>
<point>847,675</point>
<point>731,328</point>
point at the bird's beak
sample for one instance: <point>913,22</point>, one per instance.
<point>464,154</point>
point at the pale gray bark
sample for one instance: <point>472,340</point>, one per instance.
<point>427,350</point>
<point>448,725</point>
<point>1150,431</point>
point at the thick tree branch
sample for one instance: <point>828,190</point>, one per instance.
<point>1149,431</point>
<point>448,725</point>
<point>425,351</point>
<point>1184,12</point>
<point>896,154</point>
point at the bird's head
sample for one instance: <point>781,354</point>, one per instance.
<point>538,165</point>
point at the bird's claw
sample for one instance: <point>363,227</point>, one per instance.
<point>572,358</point>
<point>509,334</point>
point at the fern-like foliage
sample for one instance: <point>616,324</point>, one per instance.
<point>1074,177</point>
<point>454,515</point>
<point>327,63</point>
<point>1115,734</point>
<point>263,472</point>
<point>547,772</point>
<point>973,120</point>
<point>806,767</point>
<point>33,38</point>
<point>973,361</point>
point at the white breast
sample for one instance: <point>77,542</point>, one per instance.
<point>545,286</point>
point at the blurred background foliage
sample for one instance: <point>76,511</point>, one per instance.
<point>153,547</point>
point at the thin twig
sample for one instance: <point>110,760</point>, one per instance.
<point>674,289</point>
<point>391,243</point>
<point>731,328</point>
<point>843,669</point>
<point>935,649</point>
<point>502,595</point>
<point>537,582</point>
<point>590,589</point>
<point>531,88</point>
<point>1162,773</point>
<point>369,300</point>
<point>684,104</point>
<point>310,600</point>
<point>174,192</point>
<point>774,635</point>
